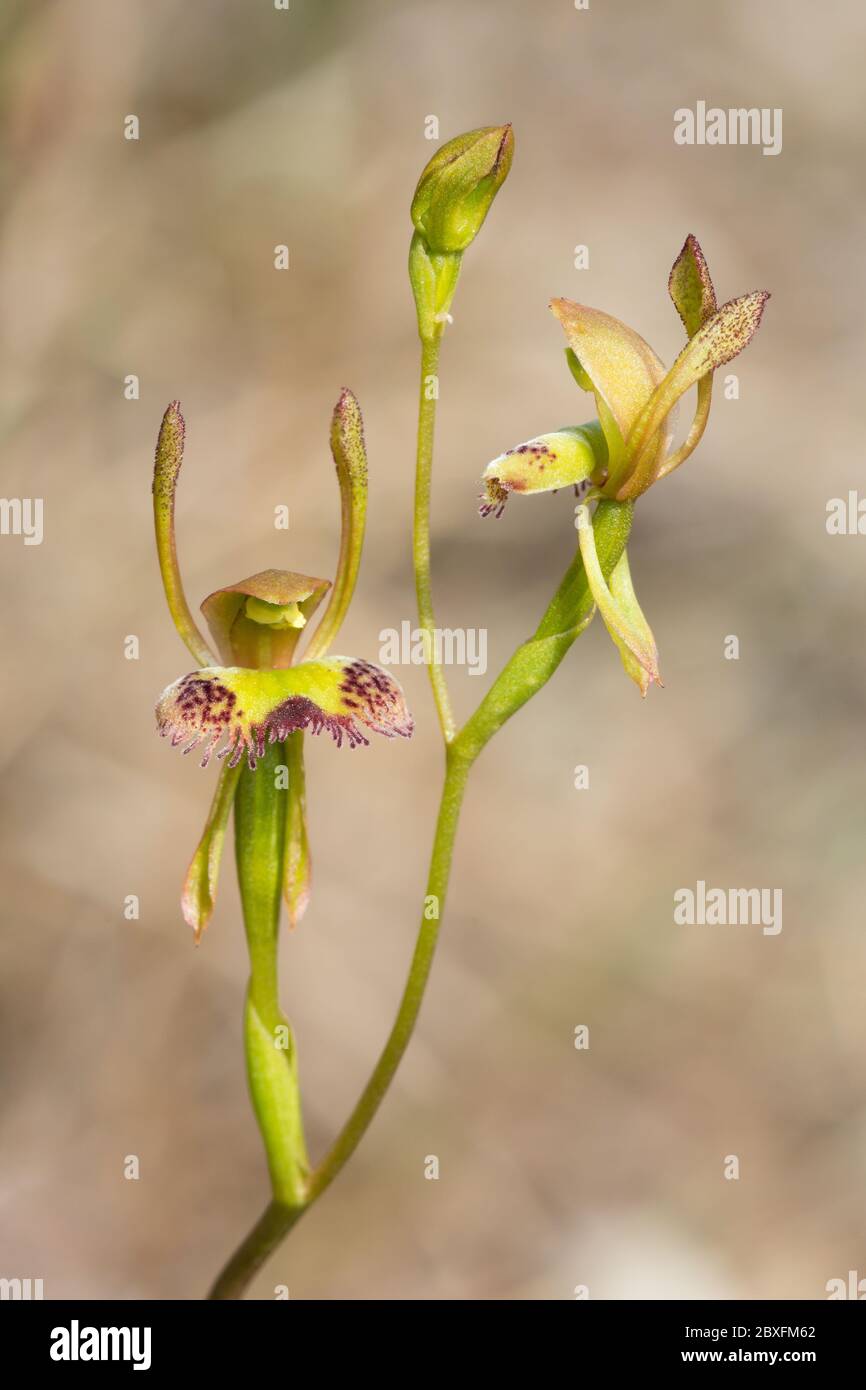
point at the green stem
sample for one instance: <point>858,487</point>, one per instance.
<point>260,814</point>
<point>421,530</point>
<point>280,1216</point>
<point>275,1223</point>
<point>456,774</point>
<point>569,612</point>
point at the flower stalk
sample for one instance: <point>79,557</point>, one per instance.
<point>269,1045</point>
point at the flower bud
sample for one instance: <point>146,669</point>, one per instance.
<point>458,185</point>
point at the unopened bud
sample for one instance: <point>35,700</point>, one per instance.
<point>458,185</point>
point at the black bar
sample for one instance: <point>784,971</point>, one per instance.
<point>234,1337</point>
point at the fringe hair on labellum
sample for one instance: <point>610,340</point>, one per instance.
<point>206,707</point>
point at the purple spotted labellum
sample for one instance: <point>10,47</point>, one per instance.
<point>262,695</point>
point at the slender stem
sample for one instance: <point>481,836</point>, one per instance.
<point>275,1223</point>
<point>280,1216</point>
<point>457,771</point>
<point>260,813</point>
<point>421,532</point>
<point>271,1056</point>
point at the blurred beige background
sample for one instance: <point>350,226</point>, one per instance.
<point>155,257</point>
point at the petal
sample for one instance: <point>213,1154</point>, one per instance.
<point>166,471</point>
<point>622,368</point>
<point>550,461</point>
<point>696,430</point>
<point>200,885</point>
<point>350,458</point>
<point>626,600</point>
<point>691,288</point>
<point>277,599</point>
<point>622,616</point>
<point>297,866</point>
<point>246,709</point>
<point>725,334</point>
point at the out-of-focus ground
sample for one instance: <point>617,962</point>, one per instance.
<point>558,1167</point>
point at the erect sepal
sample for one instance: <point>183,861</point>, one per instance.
<point>576,455</point>
<point>691,288</point>
<point>166,470</point>
<point>200,885</point>
<point>620,610</point>
<point>724,335</point>
<point>244,710</point>
<point>350,459</point>
<point>258,621</point>
<point>621,369</point>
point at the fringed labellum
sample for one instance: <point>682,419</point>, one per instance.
<point>246,709</point>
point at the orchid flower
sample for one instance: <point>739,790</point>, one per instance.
<point>629,447</point>
<point>260,696</point>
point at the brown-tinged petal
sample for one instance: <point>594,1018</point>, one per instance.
<point>350,459</point>
<point>691,288</point>
<point>625,598</point>
<point>167,465</point>
<point>694,297</point>
<point>621,367</point>
<point>621,613</point>
<point>725,334</point>
<point>297,864</point>
<point>200,885</point>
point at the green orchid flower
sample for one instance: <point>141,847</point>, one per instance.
<point>629,447</point>
<point>260,695</point>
